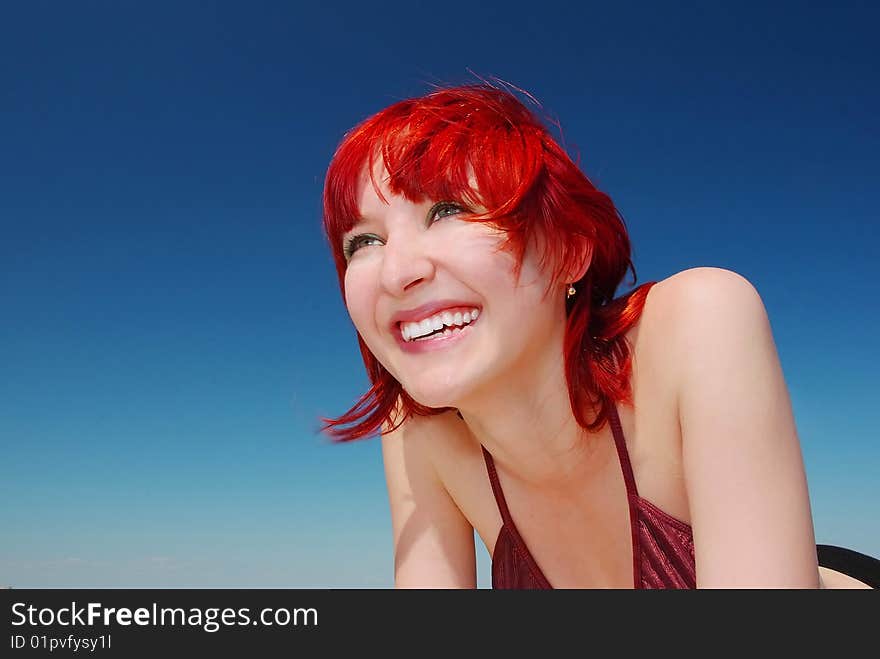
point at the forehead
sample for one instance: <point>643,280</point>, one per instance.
<point>373,193</point>
<point>376,188</point>
<point>373,185</point>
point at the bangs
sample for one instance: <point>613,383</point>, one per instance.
<point>475,146</point>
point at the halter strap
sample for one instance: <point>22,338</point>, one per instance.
<point>632,493</point>
<point>496,489</point>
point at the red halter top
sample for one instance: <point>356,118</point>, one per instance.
<point>663,547</point>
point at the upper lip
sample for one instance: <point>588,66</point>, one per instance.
<point>427,310</point>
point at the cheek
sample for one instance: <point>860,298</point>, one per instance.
<point>482,252</point>
<point>359,300</point>
<point>498,274</point>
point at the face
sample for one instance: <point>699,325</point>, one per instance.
<point>414,254</point>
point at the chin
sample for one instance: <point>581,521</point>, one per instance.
<point>434,396</point>
<point>429,400</point>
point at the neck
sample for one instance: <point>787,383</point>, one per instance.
<point>526,422</point>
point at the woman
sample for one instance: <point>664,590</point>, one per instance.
<point>643,441</point>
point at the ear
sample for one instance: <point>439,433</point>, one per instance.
<point>580,263</point>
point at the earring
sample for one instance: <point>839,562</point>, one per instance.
<point>571,291</point>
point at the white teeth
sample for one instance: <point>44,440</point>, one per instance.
<point>416,330</point>
<point>445,332</point>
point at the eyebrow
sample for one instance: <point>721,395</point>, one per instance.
<point>359,222</point>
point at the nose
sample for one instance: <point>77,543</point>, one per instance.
<point>405,262</point>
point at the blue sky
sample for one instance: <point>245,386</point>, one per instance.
<point>172,327</point>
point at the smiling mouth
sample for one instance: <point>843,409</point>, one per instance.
<point>444,332</point>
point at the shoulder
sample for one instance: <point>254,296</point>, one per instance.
<point>703,309</point>
<point>433,436</point>
<point>440,443</point>
<point>685,294</point>
<point>699,328</point>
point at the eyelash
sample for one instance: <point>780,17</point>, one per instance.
<point>352,244</point>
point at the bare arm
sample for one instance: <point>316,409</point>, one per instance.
<point>745,478</point>
<point>433,541</point>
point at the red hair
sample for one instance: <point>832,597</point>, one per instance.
<point>480,146</point>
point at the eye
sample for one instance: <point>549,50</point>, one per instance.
<point>444,209</point>
<point>355,242</point>
<point>438,211</point>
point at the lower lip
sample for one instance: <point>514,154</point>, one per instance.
<point>432,345</point>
